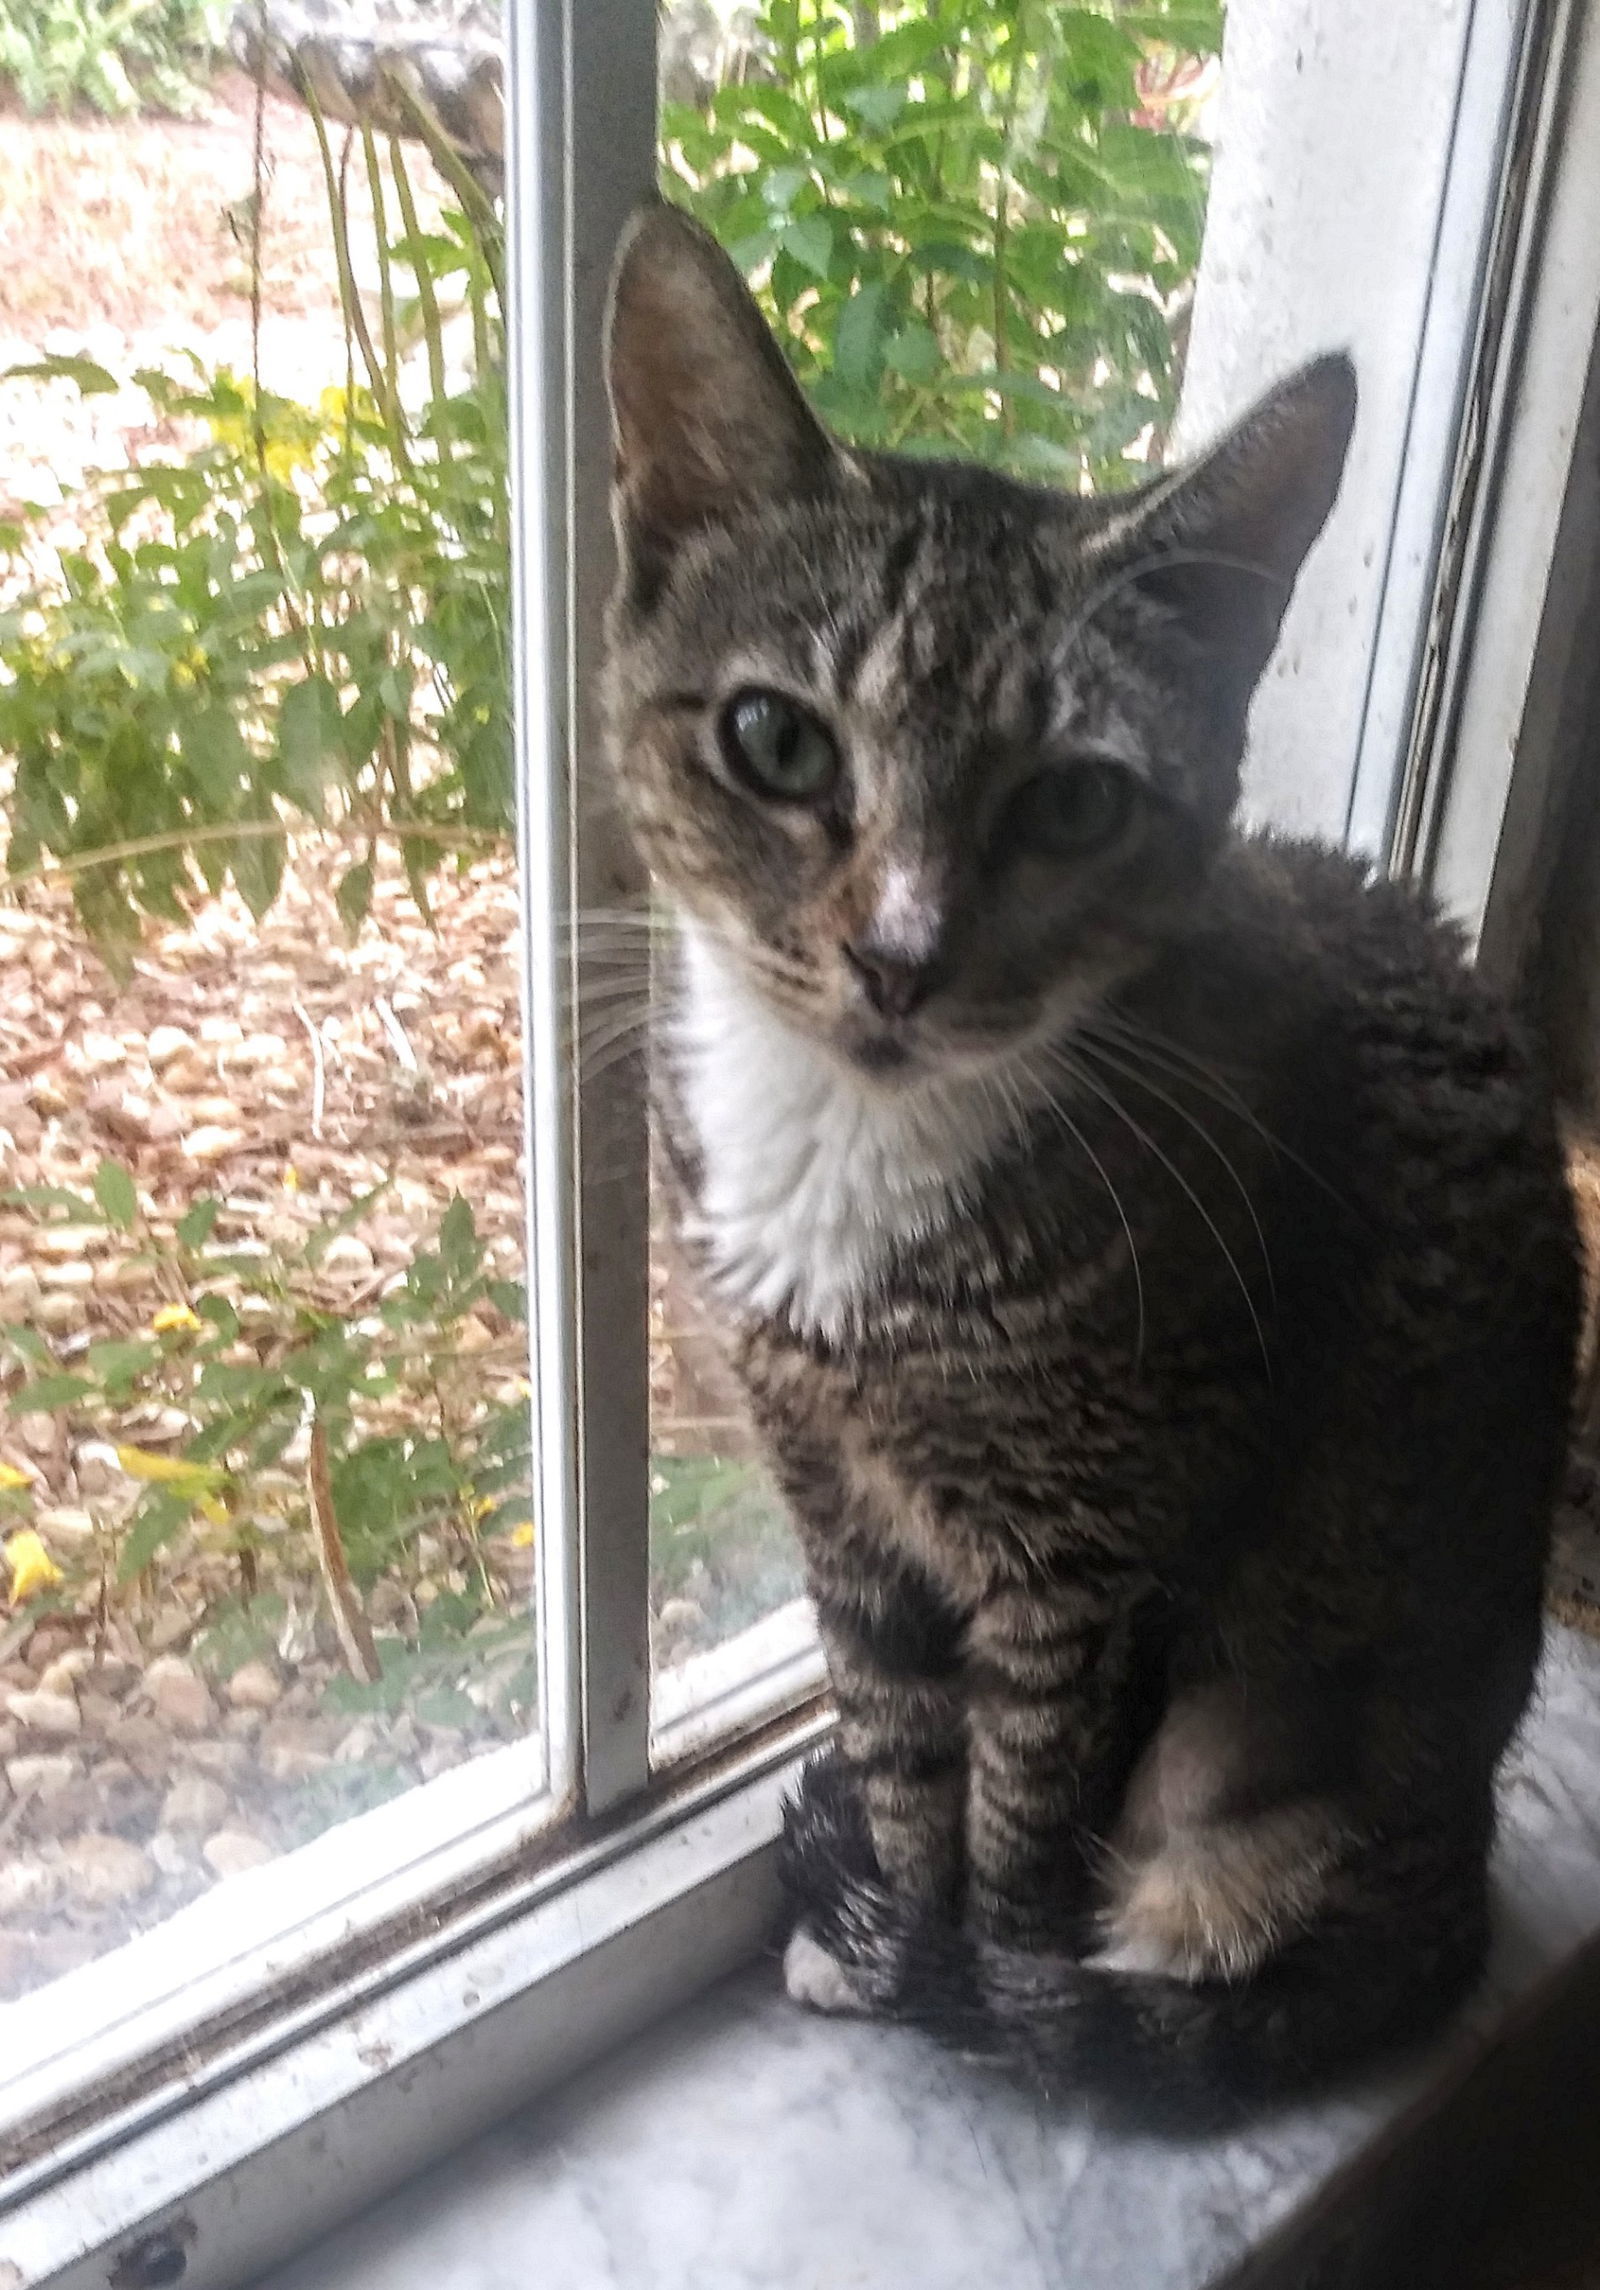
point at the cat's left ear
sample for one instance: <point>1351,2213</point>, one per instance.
<point>1222,541</point>
<point>707,419</point>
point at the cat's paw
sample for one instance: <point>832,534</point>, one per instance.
<point>1216,1905</point>
<point>818,1980</point>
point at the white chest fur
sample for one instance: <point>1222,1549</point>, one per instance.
<point>812,1176</point>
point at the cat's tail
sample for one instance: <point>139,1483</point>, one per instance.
<point>1371,1976</point>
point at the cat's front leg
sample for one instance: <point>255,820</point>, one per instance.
<point>873,1846</point>
<point>893,1653</point>
<point>1048,1679</point>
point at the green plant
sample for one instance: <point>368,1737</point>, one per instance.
<point>115,55</point>
<point>307,1445</point>
<point>302,616</point>
<point>970,223</point>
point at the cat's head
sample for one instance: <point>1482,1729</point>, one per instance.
<point>932,757</point>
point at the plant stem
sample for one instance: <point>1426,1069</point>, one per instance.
<point>394,414</point>
<point>428,301</point>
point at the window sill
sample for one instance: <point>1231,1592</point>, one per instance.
<point>746,2143</point>
<point>251,2156</point>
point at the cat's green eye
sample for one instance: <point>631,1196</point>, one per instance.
<point>1070,810</point>
<point>778,749</point>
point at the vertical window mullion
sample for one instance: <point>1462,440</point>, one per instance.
<point>581,151</point>
<point>611,168</point>
<point>539,461</point>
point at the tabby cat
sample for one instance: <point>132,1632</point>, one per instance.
<point>1144,1245</point>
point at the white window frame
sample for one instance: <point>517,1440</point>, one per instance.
<point>322,2056</point>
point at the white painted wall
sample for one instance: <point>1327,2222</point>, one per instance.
<point>1334,150</point>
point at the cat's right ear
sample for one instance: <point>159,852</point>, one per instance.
<point>707,419</point>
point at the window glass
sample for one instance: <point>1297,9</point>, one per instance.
<point>265,1488</point>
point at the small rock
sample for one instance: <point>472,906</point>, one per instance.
<point>254,1686</point>
<point>74,1274</point>
<point>172,1856</point>
<point>96,1710</point>
<point>209,1143</point>
<point>194,1803</point>
<point>172,1627</point>
<point>224,1757</point>
<point>243,1725</point>
<point>179,1694</point>
<point>216,1112</point>
<point>36,1431</point>
<point>20,1291</point>
<point>49,1639</point>
<point>143,1741</point>
<point>61,1312</point>
<point>56,1242</point>
<point>358,1744</point>
<point>26,1887</point>
<point>100,1052</point>
<point>48,1097</point>
<point>113,1676</point>
<point>292,1760</point>
<point>167,1043</point>
<point>257,1050</point>
<point>118,1790</point>
<point>103,1871</point>
<point>65,1527</point>
<point>122,1113</point>
<point>42,1777</point>
<point>55,1714</point>
<point>63,1673</point>
<point>682,1614</point>
<point>232,1851</point>
<point>345,1254</point>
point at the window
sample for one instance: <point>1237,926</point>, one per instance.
<point>976,228</point>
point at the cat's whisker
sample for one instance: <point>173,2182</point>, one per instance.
<point>1076,1071</point>
<point>1054,1105</point>
<point>1136,1039</point>
<point>1087,1046</point>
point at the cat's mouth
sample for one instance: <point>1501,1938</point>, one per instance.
<point>883,1054</point>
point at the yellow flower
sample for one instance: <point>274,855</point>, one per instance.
<point>521,1536</point>
<point>11,1477</point>
<point>171,1470</point>
<point>176,1320</point>
<point>32,1567</point>
<point>213,1510</point>
<point>291,1178</point>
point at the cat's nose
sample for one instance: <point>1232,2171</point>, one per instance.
<point>894,982</point>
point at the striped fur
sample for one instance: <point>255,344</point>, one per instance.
<point>1162,1329</point>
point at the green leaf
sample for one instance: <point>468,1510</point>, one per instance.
<point>114,1190</point>
<point>93,380</point>
<point>194,1227</point>
<point>354,895</point>
<point>220,1313</point>
<point>26,1343</point>
<point>877,107</point>
<point>46,1393</point>
<point>310,749</point>
<point>810,240</point>
<point>215,751</point>
<point>161,1515</point>
<point>913,353</point>
<point>858,338</point>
